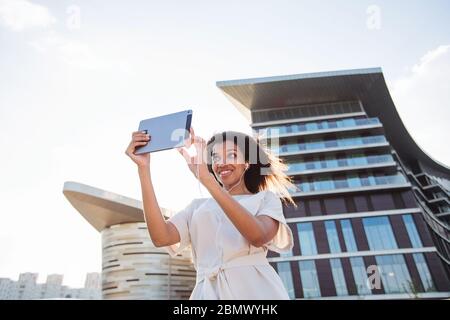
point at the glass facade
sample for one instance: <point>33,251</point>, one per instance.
<point>287,254</point>
<point>331,162</point>
<point>313,110</point>
<point>310,281</point>
<point>349,237</point>
<point>356,209</point>
<point>379,233</point>
<point>394,273</point>
<point>318,125</point>
<point>412,231</point>
<point>360,276</point>
<point>338,277</point>
<point>348,181</point>
<point>321,143</point>
<point>284,270</point>
<point>424,272</point>
<point>306,239</point>
<point>332,235</point>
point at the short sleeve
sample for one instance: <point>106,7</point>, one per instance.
<point>272,207</point>
<point>181,220</point>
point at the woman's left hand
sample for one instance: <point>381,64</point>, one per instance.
<point>198,162</point>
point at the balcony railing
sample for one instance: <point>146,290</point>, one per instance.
<point>316,144</point>
<point>288,129</point>
<point>349,182</point>
<point>333,163</point>
<point>440,229</point>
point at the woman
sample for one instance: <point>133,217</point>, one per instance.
<point>231,232</point>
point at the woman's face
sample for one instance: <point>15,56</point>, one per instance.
<point>228,163</point>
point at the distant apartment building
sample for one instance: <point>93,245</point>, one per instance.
<point>27,288</point>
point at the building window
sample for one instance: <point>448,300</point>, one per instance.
<point>424,272</point>
<point>354,181</point>
<point>340,183</point>
<point>332,235</point>
<point>321,125</point>
<point>318,143</point>
<point>379,233</point>
<point>360,276</point>
<point>349,237</point>
<point>332,124</point>
<point>284,270</point>
<point>338,277</point>
<point>310,282</point>
<point>330,161</point>
<point>394,273</point>
<point>348,181</point>
<point>442,208</point>
<point>412,231</point>
<point>287,254</point>
<point>358,159</point>
<point>306,239</point>
<point>311,126</point>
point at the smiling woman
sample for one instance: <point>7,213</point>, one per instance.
<point>231,232</point>
<point>232,155</point>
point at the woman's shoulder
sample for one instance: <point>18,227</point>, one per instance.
<point>270,194</point>
<point>197,202</point>
<point>265,196</point>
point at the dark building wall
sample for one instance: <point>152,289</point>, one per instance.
<point>438,272</point>
<point>325,276</point>
<point>357,202</point>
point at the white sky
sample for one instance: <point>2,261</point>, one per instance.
<point>76,77</point>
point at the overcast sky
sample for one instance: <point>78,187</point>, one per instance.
<point>76,77</point>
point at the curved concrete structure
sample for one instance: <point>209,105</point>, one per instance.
<point>132,267</point>
<point>102,208</point>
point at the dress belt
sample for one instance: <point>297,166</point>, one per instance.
<point>216,273</point>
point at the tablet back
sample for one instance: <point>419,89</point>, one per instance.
<point>167,132</point>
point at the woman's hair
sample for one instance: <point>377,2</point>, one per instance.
<point>266,171</point>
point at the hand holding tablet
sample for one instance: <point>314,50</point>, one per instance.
<point>159,133</point>
<point>166,132</point>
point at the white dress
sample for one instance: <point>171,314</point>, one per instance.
<point>227,265</point>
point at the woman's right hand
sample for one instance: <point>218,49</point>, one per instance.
<point>138,139</point>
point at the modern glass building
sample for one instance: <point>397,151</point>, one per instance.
<point>370,201</point>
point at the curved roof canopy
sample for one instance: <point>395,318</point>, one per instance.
<point>365,85</point>
<point>102,208</point>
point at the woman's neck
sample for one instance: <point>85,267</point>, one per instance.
<point>238,190</point>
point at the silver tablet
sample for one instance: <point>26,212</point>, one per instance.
<point>167,132</point>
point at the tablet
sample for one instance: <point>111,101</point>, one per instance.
<point>167,132</point>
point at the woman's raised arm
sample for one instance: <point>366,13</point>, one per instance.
<point>161,232</point>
